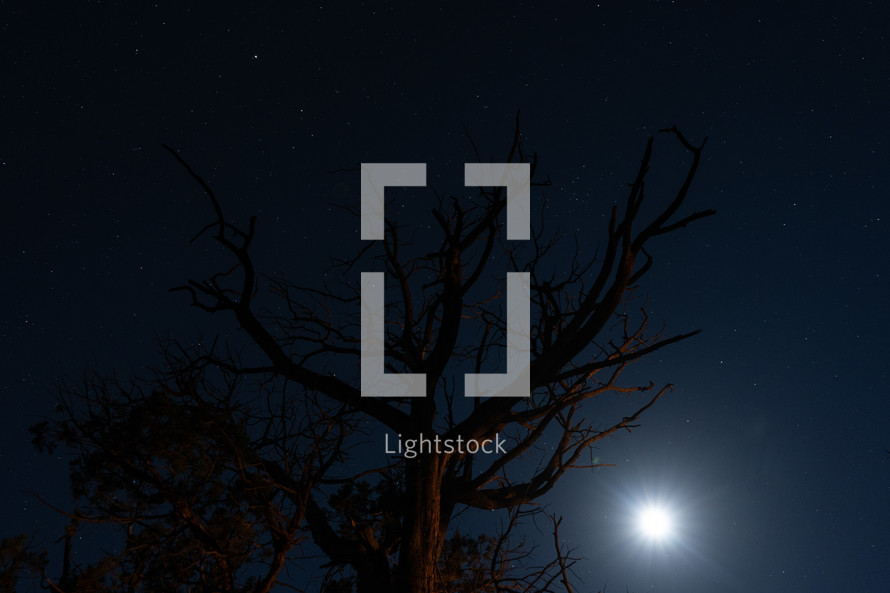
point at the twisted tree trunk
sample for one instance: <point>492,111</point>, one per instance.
<point>424,527</point>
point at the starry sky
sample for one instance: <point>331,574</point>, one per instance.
<point>771,450</point>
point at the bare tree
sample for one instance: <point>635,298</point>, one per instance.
<point>279,456</point>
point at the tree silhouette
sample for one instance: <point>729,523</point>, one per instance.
<point>233,466</point>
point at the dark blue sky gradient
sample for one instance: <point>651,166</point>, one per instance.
<point>771,448</point>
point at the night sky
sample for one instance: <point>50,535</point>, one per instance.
<point>770,451</point>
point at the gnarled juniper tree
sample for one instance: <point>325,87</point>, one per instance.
<point>228,470</point>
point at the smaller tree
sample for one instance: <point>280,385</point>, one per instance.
<point>205,499</point>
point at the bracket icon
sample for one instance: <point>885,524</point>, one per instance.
<point>375,381</point>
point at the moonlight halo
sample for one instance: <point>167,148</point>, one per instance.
<point>654,522</point>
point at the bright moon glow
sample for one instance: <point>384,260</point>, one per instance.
<point>654,522</point>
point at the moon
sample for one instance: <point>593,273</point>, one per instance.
<point>654,522</point>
